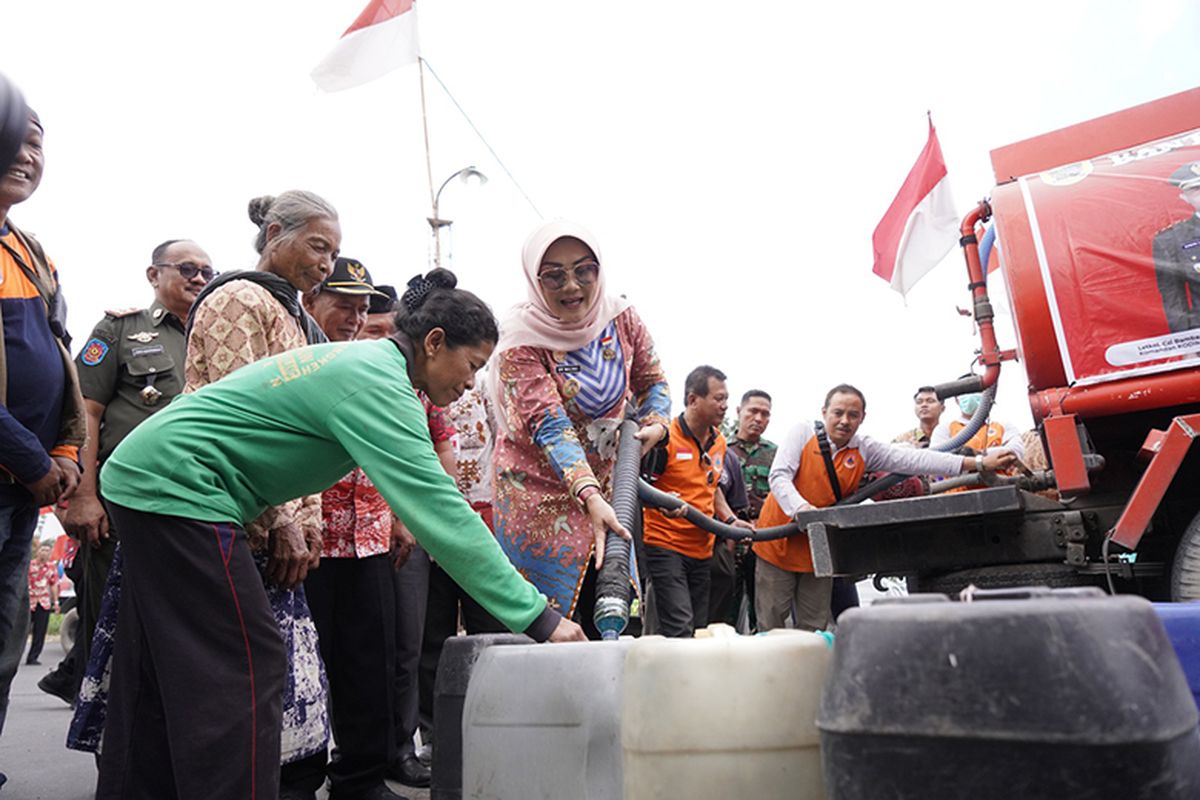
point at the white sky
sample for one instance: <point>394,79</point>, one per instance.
<point>732,158</point>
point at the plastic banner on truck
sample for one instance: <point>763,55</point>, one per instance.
<point>1117,241</point>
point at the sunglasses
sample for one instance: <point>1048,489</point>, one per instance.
<point>189,270</point>
<point>706,461</point>
<point>555,279</point>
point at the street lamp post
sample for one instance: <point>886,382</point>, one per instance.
<point>466,175</point>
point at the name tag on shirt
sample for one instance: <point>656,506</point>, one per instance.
<point>683,455</point>
<point>567,369</point>
<point>152,350</point>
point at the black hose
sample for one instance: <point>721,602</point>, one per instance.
<point>658,499</point>
<point>14,122</point>
<point>612,583</point>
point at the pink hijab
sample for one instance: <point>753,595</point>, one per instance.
<point>532,324</point>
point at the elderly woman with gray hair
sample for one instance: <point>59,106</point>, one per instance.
<point>239,318</point>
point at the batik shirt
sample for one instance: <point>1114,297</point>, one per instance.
<point>238,324</point>
<point>916,437</point>
<point>471,417</point>
<point>358,521</point>
<point>41,578</point>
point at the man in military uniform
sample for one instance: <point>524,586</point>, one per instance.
<point>755,454</point>
<point>130,367</point>
<point>1177,256</point>
<point>753,451</point>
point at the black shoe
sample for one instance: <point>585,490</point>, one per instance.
<point>61,692</point>
<point>410,771</point>
<point>380,792</point>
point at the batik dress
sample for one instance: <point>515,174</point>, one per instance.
<point>562,411</point>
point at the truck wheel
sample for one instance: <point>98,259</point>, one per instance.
<point>69,630</point>
<point>1185,575</point>
<point>1002,576</point>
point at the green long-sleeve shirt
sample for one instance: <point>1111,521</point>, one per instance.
<point>292,425</point>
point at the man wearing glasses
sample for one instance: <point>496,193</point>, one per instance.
<point>129,368</point>
<point>678,554</point>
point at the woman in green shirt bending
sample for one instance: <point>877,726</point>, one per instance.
<point>198,667</point>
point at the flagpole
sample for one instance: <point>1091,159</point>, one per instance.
<point>425,126</point>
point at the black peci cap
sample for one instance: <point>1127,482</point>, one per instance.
<point>349,277</point>
<point>384,300</point>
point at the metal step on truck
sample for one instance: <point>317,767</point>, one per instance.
<point>1096,228</point>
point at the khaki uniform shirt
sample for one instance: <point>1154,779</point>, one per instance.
<point>133,365</point>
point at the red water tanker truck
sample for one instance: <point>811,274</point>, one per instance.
<point>1096,228</point>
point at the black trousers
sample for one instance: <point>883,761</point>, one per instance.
<point>39,621</point>
<point>744,583</point>
<point>411,584</point>
<point>89,571</point>
<point>722,602</point>
<point>195,703</point>
<point>441,622</point>
<point>844,596</point>
<point>681,588</point>
<point>353,605</point>
<point>96,564</point>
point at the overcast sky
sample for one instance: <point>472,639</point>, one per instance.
<point>732,158</point>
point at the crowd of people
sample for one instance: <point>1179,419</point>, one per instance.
<point>292,484</point>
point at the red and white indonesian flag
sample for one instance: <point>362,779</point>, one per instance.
<point>382,38</point>
<point>920,226</point>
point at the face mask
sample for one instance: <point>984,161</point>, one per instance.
<point>969,403</point>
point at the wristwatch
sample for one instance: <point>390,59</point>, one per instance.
<point>978,462</point>
<point>732,519</point>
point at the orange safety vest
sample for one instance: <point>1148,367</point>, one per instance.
<point>812,482</point>
<point>991,435</point>
<point>695,481</point>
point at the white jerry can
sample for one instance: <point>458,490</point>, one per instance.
<point>724,717</point>
<point>543,722</point>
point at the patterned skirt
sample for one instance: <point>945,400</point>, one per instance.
<point>305,715</point>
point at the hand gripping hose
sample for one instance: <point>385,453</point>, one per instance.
<point>612,584</point>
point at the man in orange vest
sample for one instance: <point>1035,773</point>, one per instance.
<point>811,473</point>
<point>678,554</point>
<point>994,435</point>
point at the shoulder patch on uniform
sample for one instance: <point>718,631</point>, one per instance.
<point>93,352</point>
<point>122,312</point>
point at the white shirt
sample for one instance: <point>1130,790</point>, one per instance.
<point>876,455</point>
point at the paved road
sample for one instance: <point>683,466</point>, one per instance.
<point>32,754</point>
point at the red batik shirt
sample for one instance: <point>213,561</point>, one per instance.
<point>358,521</point>
<point>41,578</point>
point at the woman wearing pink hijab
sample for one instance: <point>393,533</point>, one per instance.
<point>568,362</point>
